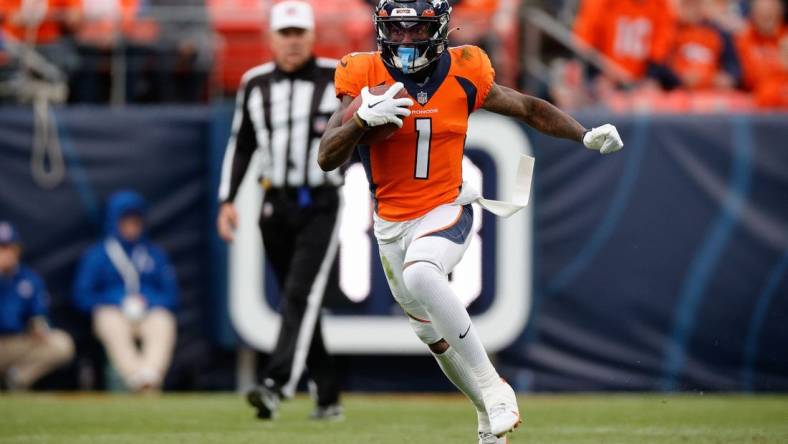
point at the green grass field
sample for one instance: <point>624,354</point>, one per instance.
<point>224,418</point>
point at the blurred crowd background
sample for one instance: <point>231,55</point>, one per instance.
<point>658,55</point>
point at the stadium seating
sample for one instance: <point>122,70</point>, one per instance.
<point>235,38</point>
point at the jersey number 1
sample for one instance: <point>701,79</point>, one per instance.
<point>423,145</point>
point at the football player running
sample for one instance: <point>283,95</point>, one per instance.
<point>423,215</point>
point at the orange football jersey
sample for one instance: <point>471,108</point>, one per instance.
<point>759,54</point>
<point>697,51</point>
<point>420,166</point>
<point>48,30</point>
<point>772,91</point>
<point>630,32</point>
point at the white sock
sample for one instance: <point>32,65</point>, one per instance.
<point>450,319</point>
<point>461,376</point>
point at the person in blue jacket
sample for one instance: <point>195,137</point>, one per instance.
<point>129,286</point>
<point>29,349</point>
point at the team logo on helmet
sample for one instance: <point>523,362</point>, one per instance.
<point>404,12</point>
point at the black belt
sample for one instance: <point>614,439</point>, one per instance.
<point>302,196</point>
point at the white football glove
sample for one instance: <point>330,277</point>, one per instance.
<point>383,109</point>
<point>604,139</point>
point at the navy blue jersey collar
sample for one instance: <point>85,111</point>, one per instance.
<point>432,85</point>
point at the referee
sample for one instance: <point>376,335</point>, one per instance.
<point>282,109</point>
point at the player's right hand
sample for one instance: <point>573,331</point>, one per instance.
<point>604,139</point>
<point>378,110</point>
<point>227,221</point>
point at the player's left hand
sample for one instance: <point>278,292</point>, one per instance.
<point>604,139</point>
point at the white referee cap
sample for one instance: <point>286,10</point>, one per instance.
<point>292,14</point>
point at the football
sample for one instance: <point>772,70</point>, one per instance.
<point>379,133</point>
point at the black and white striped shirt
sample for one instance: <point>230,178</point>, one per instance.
<point>284,115</point>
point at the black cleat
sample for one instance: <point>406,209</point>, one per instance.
<point>265,400</point>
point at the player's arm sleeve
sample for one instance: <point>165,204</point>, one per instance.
<point>484,80</point>
<point>240,148</point>
<point>346,82</point>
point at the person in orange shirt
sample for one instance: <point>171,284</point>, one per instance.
<point>46,25</point>
<point>40,22</point>
<point>635,34</point>
<point>702,57</point>
<point>772,90</point>
<point>106,20</point>
<point>758,43</point>
<point>423,215</point>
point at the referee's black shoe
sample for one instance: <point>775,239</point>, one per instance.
<point>265,400</point>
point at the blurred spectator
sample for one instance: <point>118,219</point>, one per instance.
<point>129,286</point>
<point>342,26</point>
<point>727,15</point>
<point>758,43</point>
<point>97,39</point>
<point>567,88</point>
<point>5,58</point>
<point>492,25</point>
<point>29,349</point>
<point>239,25</point>
<point>111,28</point>
<point>772,90</point>
<point>702,57</point>
<point>185,49</point>
<point>475,21</point>
<point>46,25</point>
<point>104,21</point>
<point>635,34</point>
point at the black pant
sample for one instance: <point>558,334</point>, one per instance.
<point>297,227</point>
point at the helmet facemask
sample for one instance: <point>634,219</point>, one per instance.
<point>410,42</point>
